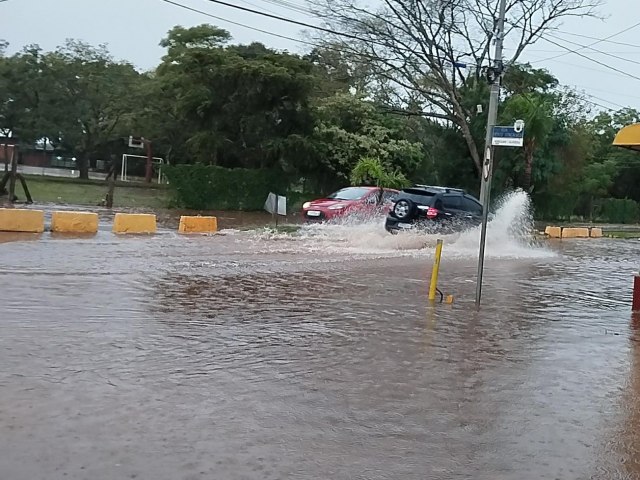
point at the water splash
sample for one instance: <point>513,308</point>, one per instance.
<point>509,235</point>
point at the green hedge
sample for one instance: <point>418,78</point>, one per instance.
<point>208,187</point>
<point>619,210</point>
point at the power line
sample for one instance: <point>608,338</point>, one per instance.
<point>278,17</point>
<point>606,101</point>
<point>290,20</point>
<point>319,28</point>
<point>232,22</point>
<point>569,50</point>
<point>290,6</point>
<point>609,109</point>
<point>593,50</point>
<point>595,38</point>
<point>583,47</point>
<point>195,10</point>
<point>582,87</point>
<point>584,67</point>
<point>618,52</point>
<point>254,5</point>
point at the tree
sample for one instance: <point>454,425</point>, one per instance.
<point>240,106</point>
<point>537,112</point>
<point>84,100</point>
<point>433,49</point>
<point>21,102</point>
<point>348,129</point>
<point>371,171</point>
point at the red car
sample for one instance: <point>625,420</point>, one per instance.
<point>349,200</point>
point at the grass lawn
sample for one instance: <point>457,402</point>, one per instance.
<point>90,192</point>
<point>625,234</point>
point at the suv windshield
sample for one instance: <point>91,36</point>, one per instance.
<point>351,193</point>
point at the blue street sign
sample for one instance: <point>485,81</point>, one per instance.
<point>507,137</point>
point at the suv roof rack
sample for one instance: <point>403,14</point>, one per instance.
<point>441,189</point>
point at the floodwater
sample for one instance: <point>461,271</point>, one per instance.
<point>316,355</point>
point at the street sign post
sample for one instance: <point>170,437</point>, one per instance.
<point>512,136</point>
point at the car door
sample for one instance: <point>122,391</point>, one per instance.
<point>452,206</point>
<point>473,208</point>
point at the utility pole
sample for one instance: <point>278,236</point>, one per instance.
<point>494,76</point>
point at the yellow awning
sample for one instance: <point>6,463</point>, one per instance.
<point>628,137</point>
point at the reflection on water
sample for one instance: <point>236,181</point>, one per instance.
<point>309,356</point>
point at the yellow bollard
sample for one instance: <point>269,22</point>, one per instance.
<point>434,273</point>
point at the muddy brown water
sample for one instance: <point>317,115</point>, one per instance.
<point>253,355</point>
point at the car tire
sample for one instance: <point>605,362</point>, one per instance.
<point>403,209</point>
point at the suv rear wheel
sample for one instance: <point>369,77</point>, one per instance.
<point>403,209</point>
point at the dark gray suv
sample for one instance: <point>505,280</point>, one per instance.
<point>438,209</point>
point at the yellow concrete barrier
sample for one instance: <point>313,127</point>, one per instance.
<point>575,233</point>
<point>198,224</point>
<point>134,223</point>
<point>74,222</point>
<point>553,232</point>
<point>19,220</point>
<point>596,232</point>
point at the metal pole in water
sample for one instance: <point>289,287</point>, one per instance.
<point>276,210</point>
<point>487,166</point>
<point>636,294</point>
<point>433,286</point>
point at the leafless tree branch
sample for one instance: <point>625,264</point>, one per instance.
<point>420,45</point>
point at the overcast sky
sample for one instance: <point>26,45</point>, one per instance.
<point>133,28</point>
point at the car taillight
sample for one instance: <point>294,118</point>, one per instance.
<point>432,213</point>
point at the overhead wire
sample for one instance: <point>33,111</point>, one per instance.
<point>290,20</point>
<point>239,24</point>
<point>599,51</point>
<point>576,52</point>
<point>597,42</point>
<point>579,35</point>
<point>313,27</point>
<point>290,6</point>
<point>247,2</point>
<point>354,37</point>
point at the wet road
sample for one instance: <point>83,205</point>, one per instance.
<point>252,355</point>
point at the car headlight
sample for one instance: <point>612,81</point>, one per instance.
<point>306,205</point>
<point>339,206</point>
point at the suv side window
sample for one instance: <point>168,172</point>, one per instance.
<point>472,206</point>
<point>453,202</point>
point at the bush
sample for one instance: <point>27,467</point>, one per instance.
<point>371,171</point>
<point>208,187</point>
<point>619,210</point>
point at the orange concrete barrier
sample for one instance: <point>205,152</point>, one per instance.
<point>74,222</point>
<point>575,233</point>
<point>134,223</point>
<point>553,232</point>
<point>596,232</point>
<point>21,220</point>
<point>198,224</point>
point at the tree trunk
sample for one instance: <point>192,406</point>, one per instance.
<point>6,155</point>
<point>83,166</point>
<point>473,148</point>
<point>528,165</point>
<point>12,178</point>
<point>468,137</point>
